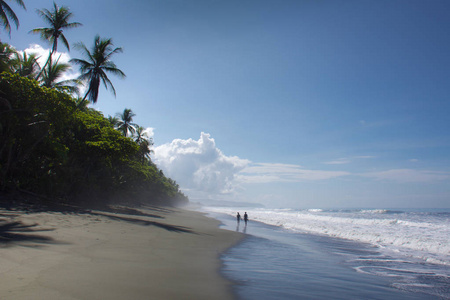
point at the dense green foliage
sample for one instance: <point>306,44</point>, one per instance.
<point>51,148</point>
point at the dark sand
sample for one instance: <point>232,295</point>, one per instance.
<point>156,253</point>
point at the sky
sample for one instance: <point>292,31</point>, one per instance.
<point>302,104</point>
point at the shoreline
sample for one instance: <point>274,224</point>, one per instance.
<point>156,252</point>
<point>278,263</point>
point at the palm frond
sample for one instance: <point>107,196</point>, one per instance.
<point>6,13</point>
<point>65,42</point>
<point>20,2</point>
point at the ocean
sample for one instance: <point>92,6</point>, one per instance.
<point>338,254</point>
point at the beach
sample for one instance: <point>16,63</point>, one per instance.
<point>121,253</point>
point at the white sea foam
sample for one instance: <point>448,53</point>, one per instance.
<point>420,235</point>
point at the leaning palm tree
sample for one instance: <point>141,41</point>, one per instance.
<point>58,19</point>
<point>125,122</point>
<point>98,63</point>
<point>6,12</point>
<point>54,71</point>
<point>25,65</point>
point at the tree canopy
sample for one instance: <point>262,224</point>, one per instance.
<point>51,148</point>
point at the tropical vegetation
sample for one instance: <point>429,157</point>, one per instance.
<point>53,146</point>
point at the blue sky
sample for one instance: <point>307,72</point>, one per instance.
<point>286,103</point>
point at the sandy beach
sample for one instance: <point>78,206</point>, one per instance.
<point>152,253</point>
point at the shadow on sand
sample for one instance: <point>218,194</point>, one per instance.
<point>14,232</point>
<point>168,227</point>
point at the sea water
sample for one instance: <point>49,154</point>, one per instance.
<point>339,254</point>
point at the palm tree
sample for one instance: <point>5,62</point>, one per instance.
<point>96,66</point>
<point>141,134</point>
<point>144,150</point>
<point>6,12</point>
<point>6,51</point>
<point>125,123</point>
<point>25,65</point>
<point>144,142</point>
<point>58,19</point>
<point>80,105</point>
<point>114,121</point>
<point>53,72</point>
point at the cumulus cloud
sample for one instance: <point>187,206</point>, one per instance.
<point>198,165</point>
<point>409,175</point>
<point>270,172</point>
<point>202,170</point>
<point>149,132</point>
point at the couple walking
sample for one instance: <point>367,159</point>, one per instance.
<point>238,216</point>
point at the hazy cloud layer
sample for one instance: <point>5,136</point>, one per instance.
<point>409,175</point>
<point>339,161</point>
<point>267,172</point>
<point>347,160</point>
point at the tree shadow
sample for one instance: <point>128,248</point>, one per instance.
<point>129,211</point>
<point>9,231</point>
<point>158,208</point>
<point>168,227</point>
<point>15,232</point>
<point>38,207</point>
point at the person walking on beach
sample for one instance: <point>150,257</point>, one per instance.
<point>238,216</point>
<point>245,218</point>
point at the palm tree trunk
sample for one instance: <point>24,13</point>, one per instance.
<point>46,63</point>
<point>6,167</point>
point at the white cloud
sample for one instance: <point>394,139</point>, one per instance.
<point>409,175</point>
<point>267,172</point>
<point>199,166</point>
<point>202,170</point>
<point>149,132</point>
